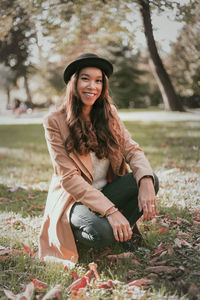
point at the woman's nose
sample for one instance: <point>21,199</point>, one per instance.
<point>91,84</point>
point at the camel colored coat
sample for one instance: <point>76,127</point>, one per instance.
<point>72,181</point>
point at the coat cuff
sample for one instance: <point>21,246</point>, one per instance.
<point>140,174</point>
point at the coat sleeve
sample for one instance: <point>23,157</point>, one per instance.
<point>69,174</point>
<point>133,154</point>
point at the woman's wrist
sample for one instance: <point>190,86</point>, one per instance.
<point>146,178</point>
<point>111,211</point>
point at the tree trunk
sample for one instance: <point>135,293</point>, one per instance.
<point>170,99</point>
<point>8,98</point>
<point>28,93</point>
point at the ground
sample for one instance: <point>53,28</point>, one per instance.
<point>165,266</point>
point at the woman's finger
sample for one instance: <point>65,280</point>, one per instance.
<point>125,234</point>
<point>121,235</point>
<point>130,232</point>
<point>115,234</point>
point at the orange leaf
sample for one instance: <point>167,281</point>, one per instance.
<point>74,275</point>
<point>163,230</point>
<point>140,282</point>
<point>164,144</point>
<point>78,284</point>
<point>28,250</point>
<point>78,295</point>
<point>106,285</point>
<point>39,285</point>
<point>104,253</point>
<point>3,199</point>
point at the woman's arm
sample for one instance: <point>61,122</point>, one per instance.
<point>69,173</point>
<point>142,172</point>
<point>147,198</point>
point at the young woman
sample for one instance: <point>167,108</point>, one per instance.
<point>102,182</point>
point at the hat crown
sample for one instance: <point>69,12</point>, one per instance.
<point>87,55</point>
<point>87,60</point>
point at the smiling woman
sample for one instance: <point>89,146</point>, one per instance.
<point>89,88</point>
<point>93,200</point>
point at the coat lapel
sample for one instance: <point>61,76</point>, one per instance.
<point>84,162</point>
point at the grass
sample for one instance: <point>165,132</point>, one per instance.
<point>25,174</point>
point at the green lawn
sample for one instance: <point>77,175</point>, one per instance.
<point>171,241</point>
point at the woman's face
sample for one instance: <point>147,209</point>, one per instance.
<point>89,85</point>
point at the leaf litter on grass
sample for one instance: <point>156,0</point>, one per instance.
<point>179,189</point>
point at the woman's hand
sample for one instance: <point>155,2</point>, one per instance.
<point>147,198</point>
<point>121,227</point>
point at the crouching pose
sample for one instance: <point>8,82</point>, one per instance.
<point>102,182</point>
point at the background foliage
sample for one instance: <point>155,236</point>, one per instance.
<point>39,38</point>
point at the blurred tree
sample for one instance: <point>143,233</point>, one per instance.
<point>126,85</point>
<point>67,27</point>
<point>184,60</point>
<point>105,20</point>
<point>15,40</point>
<point>6,81</point>
<point>170,99</point>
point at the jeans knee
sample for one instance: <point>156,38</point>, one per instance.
<point>97,235</point>
<point>156,184</point>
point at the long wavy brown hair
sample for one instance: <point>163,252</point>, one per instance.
<point>99,134</point>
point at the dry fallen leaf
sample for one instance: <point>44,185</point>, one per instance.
<point>78,284</point>
<point>162,230</point>
<point>29,252</point>
<point>74,275</point>
<point>85,280</point>
<point>39,285</point>
<point>170,250</point>
<point>142,282</point>
<point>178,243</point>
<point>123,255</point>
<point>75,295</point>
<point>3,199</point>
<point>193,291</point>
<point>160,269</point>
<point>104,253</point>
<point>54,293</point>
<point>185,243</point>
<point>93,268</point>
<point>26,295</point>
<point>6,253</point>
<point>196,223</point>
<point>181,220</point>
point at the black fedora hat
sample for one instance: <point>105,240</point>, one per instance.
<point>87,60</point>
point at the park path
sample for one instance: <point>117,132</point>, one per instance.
<point>8,117</point>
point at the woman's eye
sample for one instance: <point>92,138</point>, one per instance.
<point>99,80</point>
<point>84,78</point>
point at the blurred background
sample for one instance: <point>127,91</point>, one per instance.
<point>154,46</point>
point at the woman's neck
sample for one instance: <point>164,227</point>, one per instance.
<point>86,113</point>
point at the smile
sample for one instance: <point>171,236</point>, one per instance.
<point>90,94</point>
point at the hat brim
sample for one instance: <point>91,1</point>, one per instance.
<point>79,64</point>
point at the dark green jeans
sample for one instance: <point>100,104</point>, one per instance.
<point>94,231</point>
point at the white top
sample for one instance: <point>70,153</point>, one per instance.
<point>100,170</point>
